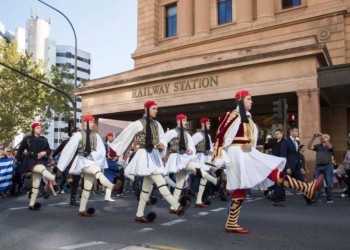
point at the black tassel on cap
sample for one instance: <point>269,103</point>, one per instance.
<point>182,143</point>
<point>148,144</point>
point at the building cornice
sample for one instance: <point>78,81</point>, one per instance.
<point>212,66</point>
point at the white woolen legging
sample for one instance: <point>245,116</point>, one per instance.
<point>146,192</point>
<point>90,173</point>
<point>201,188</point>
<point>37,174</point>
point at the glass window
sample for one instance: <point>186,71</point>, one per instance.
<point>171,21</point>
<point>290,3</point>
<point>224,11</point>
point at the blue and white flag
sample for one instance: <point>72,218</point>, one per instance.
<point>6,172</point>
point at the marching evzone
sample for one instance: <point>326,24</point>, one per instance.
<point>38,150</point>
<point>147,161</point>
<point>204,148</point>
<point>246,167</point>
<point>182,154</point>
<point>112,173</point>
<point>89,153</point>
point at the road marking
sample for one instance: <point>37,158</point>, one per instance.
<point>160,247</point>
<point>218,209</point>
<point>57,204</point>
<point>173,222</point>
<point>18,208</point>
<point>145,230</point>
<point>255,199</point>
<point>200,214</point>
<point>89,244</point>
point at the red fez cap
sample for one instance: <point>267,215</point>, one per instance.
<point>35,124</point>
<point>204,120</point>
<point>110,134</point>
<point>149,104</point>
<point>88,118</point>
<point>241,94</point>
<point>181,117</point>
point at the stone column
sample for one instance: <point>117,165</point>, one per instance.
<point>185,18</point>
<point>202,16</point>
<point>265,10</point>
<point>309,117</point>
<point>244,12</point>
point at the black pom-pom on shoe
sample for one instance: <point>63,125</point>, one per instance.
<point>91,210</point>
<point>36,207</point>
<point>151,217</point>
<point>208,203</point>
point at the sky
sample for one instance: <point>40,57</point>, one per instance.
<point>107,29</point>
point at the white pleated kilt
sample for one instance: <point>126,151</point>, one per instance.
<point>250,170</point>
<point>144,163</point>
<point>176,162</point>
<point>201,159</point>
<point>81,162</point>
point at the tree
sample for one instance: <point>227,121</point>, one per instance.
<point>24,100</point>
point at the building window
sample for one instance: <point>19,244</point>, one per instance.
<point>290,3</point>
<point>171,21</point>
<point>224,11</point>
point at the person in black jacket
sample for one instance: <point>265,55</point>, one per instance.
<point>275,146</point>
<point>38,150</point>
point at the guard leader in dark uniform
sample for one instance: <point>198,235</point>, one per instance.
<point>38,150</point>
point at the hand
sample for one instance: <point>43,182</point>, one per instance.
<point>289,171</point>
<point>41,154</point>
<point>246,148</point>
<point>302,171</point>
<point>189,151</point>
<point>161,146</point>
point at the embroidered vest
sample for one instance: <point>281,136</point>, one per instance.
<point>175,142</point>
<point>245,133</point>
<point>200,147</point>
<point>141,136</point>
<point>82,142</point>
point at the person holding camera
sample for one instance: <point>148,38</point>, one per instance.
<point>324,153</point>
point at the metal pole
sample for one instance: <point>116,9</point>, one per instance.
<point>75,59</point>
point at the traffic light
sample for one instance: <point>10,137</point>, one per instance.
<point>278,109</point>
<point>292,120</point>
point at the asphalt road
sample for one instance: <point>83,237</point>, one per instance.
<point>57,225</point>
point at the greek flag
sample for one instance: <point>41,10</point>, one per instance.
<point>6,171</point>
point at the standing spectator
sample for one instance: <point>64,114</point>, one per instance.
<point>6,172</point>
<point>324,153</point>
<point>275,146</point>
<point>346,163</point>
<point>302,158</point>
<point>290,151</point>
<point>349,139</point>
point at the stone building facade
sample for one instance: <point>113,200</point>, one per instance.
<point>275,48</point>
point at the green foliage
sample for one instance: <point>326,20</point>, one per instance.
<point>24,100</point>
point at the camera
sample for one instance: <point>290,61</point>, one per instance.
<point>317,135</point>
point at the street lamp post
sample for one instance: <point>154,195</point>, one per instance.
<point>75,60</point>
